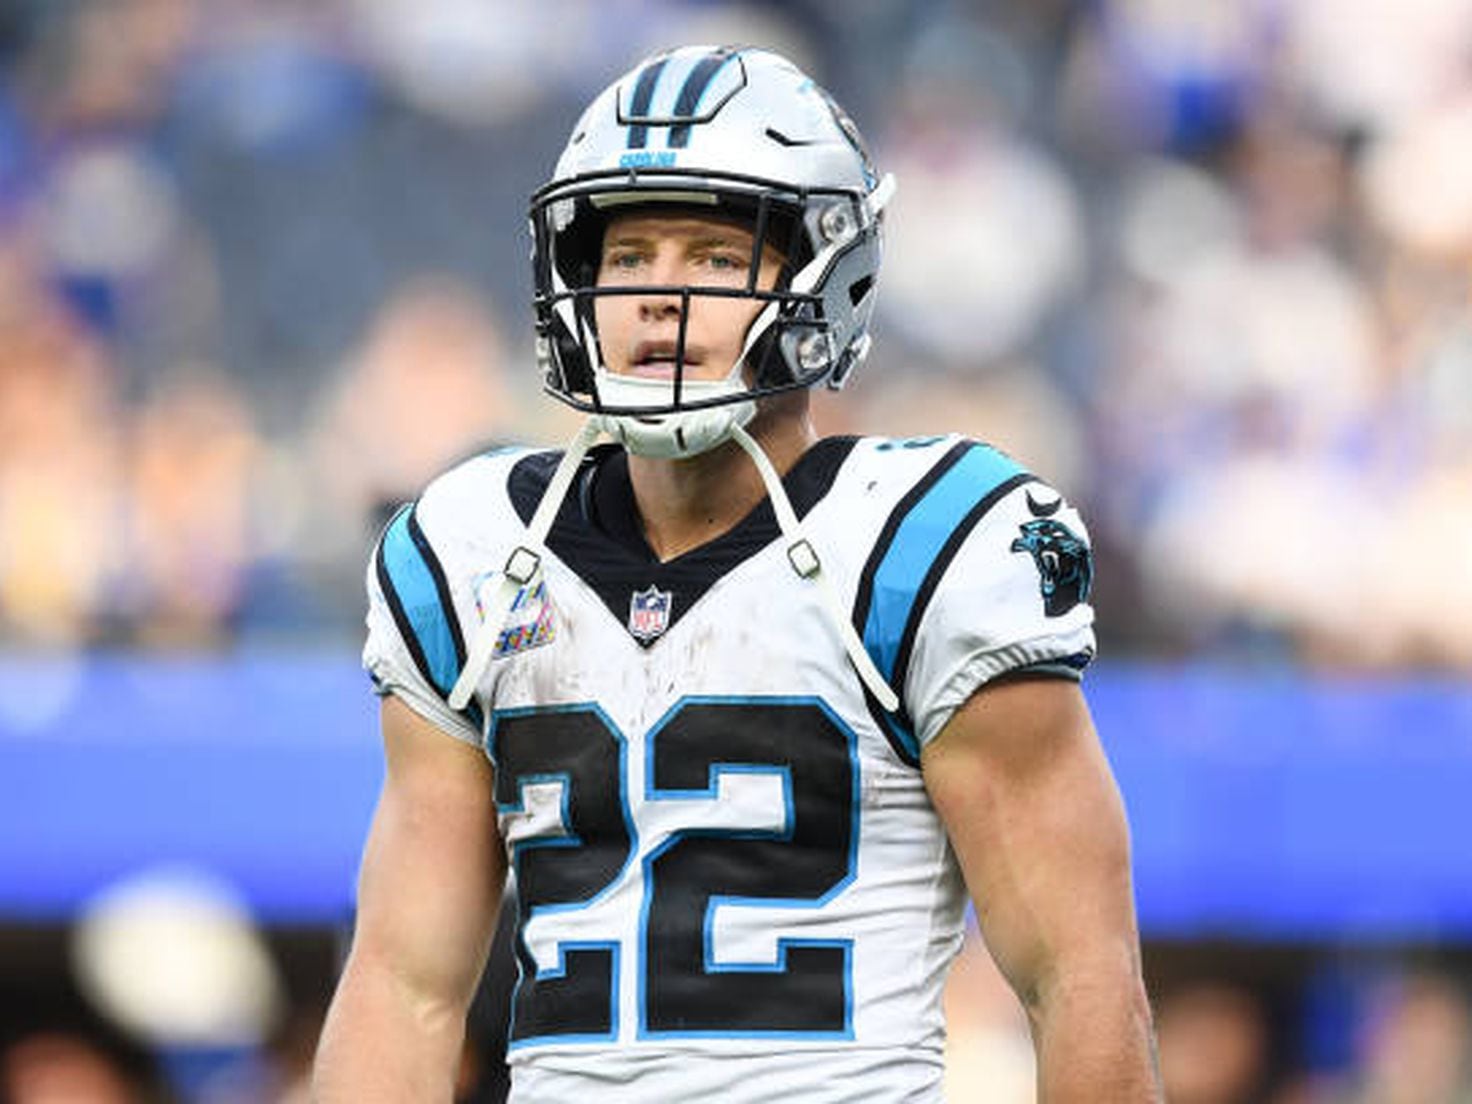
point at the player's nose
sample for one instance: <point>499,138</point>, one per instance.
<point>654,306</point>
<point>664,271</point>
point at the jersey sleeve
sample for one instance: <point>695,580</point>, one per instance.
<point>415,648</point>
<point>978,570</point>
<point>1014,598</point>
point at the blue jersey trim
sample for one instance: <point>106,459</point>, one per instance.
<point>919,540</point>
<point>419,597</point>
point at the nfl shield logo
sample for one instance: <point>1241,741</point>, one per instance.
<point>649,613</point>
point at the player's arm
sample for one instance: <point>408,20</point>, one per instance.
<point>1035,818</point>
<point>428,892</point>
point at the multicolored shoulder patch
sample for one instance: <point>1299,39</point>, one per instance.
<point>530,622</point>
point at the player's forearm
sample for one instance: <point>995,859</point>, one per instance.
<point>1094,1041</point>
<point>382,1042</point>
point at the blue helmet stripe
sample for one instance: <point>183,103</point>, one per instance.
<point>643,97</point>
<point>692,90</point>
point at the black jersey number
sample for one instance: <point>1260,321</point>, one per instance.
<point>578,751</point>
<point>800,859</point>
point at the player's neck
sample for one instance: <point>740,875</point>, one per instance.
<point>685,503</point>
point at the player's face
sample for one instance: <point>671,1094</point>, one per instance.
<point>638,332</point>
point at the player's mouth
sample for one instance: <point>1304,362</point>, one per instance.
<point>657,359</point>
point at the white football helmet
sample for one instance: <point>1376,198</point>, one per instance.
<point>742,133</point>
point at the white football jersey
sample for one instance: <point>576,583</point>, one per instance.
<point>732,885</point>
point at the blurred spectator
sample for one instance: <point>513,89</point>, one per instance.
<point>59,452</point>
<point>1213,1041</point>
<point>1225,446</point>
<point>1417,1047</point>
<point>1375,64</point>
<point>424,388</point>
<point>466,59</point>
<point>986,235</point>
<point>1014,406</point>
<point>193,455</point>
<point>278,1073</point>
<point>1162,76</point>
<point>96,66</point>
<point>1417,179</point>
<point>58,1068</point>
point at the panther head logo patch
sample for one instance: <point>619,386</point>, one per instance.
<point>1064,562</point>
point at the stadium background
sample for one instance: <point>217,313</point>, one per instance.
<point>1207,265</point>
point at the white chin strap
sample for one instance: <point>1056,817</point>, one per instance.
<point>524,565</point>
<point>677,435</point>
<point>805,562</point>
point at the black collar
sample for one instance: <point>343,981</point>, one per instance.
<point>599,535</point>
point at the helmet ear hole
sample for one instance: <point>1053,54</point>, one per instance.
<point>784,232</point>
<point>571,368</point>
<point>764,359</point>
<point>852,357</point>
<point>579,246</point>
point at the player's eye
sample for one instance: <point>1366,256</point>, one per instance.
<point>723,261</point>
<point>624,259</point>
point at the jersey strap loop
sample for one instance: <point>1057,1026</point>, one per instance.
<point>523,565</point>
<point>805,563</point>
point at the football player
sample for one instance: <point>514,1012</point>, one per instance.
<point>744,716</point>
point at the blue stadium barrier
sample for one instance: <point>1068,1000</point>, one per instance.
<point>1263,805</point>
<point>1267,804</point>
<point>261,769</point>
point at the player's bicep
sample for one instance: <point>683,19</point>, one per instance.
<point>1036,821</point>
<point>433,866</point>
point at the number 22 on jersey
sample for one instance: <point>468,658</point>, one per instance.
<point>802,857</point>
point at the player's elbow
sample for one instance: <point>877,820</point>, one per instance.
<point>424,996</point>
<point>387,1037</point>
<point>1101,976</point>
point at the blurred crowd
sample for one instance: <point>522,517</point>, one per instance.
<point>1362,1028</point>
<point>1357,1031</point>
<point>1207,266</point>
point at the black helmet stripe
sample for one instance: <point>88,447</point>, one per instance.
<point>696,83</point>
<point>643,96</point>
